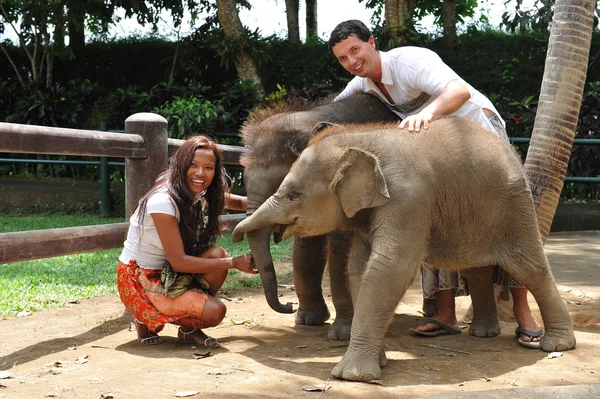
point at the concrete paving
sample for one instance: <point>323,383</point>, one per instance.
<point>575,261</point>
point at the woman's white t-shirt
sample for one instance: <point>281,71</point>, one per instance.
<point>143,243</point>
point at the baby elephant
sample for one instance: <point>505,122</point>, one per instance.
<point>453,196</point>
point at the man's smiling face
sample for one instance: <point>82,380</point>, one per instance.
<point>357,57</point>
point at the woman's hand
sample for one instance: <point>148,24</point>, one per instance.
<point>245,263</point>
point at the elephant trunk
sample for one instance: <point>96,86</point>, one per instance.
<point>259,240</point>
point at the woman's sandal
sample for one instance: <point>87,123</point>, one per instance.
<point>215,343</point>
<point>148,338</point>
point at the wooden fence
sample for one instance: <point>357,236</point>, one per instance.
<point>146,149</point>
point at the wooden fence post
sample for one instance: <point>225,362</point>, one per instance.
<point>141,173</point>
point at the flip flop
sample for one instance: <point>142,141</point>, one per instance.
<point>530,334</point>
<point>146,340</point>
<point>442,330</point>
<point>209,342</point>
<point>215,343</point>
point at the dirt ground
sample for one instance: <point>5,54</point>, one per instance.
<point>88,350</point>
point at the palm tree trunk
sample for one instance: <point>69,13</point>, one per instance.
<point>558,110</point>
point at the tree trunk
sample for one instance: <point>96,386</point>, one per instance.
<point>76,27</point>
<point>291,10</point>
<point>558,110</point>
<point>312,30</point>
<point>449,22</point>
<point>232,26</point>
<point>397,14</point>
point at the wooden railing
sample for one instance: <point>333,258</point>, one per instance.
<point>146,149</point>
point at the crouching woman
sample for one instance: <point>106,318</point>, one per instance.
<point>170,270</point>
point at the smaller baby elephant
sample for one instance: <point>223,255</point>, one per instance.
<point>453,196</point>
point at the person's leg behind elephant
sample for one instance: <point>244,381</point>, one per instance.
<point>528,332</point>
<point>442,286</point>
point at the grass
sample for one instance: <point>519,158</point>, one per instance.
<point>54,282</point>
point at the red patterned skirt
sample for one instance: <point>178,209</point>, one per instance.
<point>142,294</point>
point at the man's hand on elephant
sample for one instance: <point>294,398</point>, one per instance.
<point>415,122</point>
<point>245,263</point>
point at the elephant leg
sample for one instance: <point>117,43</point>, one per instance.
<point>383,283</point>
<point>309,265</point>
<point>357,263</point>
<point>533,271</point>
<point>485,314</point>
<point>338,246</point>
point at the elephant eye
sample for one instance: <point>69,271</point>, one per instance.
<point>293,195</point>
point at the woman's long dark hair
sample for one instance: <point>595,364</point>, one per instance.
<point>175,180</point>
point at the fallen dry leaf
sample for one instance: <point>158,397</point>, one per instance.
<point>57,363</point>
<point>184,394</point>
<point>5,375</point>
<point>239,320</point>
<point>316,388</point>
<point>220,371</point>
<point>82,359</point>
<point>553,355</point>
<point>201,355</point>
<point>72,348</point>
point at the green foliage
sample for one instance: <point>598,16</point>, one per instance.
<point>276,97</point>
<point>535,19</point>
<point>132,75</point>
<point>585,159</point>
<point>60,105</point>
<point>229,48</point>
<point>190,116</point>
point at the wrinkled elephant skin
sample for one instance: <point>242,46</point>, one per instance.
<point>453,196</point>
<point>274,138</point>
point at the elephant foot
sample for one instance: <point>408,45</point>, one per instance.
<point>312,316</point>
<point>363,367</point>
<point>558,340</point>
<point>339,330</point>
<point>484,328</point>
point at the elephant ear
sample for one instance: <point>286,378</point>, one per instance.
<point>359,182</point>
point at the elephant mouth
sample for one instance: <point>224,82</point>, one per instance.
<point>289,229</point>
<point>278,233</point>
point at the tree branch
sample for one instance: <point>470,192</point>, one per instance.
<point>12,63</point>
<point>21,40</point>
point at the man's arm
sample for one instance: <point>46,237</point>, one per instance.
<point>351,88</point>
<point>454,96</point>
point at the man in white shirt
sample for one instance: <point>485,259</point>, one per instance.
<point>419,87</point>
<point>412,81</point>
